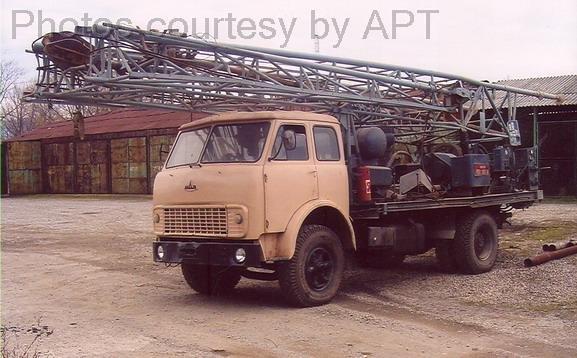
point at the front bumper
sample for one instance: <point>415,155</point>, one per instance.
<point>207,253</point>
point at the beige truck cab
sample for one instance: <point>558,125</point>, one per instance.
<point>261,195</point>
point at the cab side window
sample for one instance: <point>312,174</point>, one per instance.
<point>326,144</point>
<point>290,143</point>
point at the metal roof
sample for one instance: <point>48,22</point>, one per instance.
<point>126,120</point>
<point>566,86</point>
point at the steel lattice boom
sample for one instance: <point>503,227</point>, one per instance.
<point>120,66</point>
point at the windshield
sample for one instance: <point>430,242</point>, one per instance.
<point>236,143</point>
<point>227,144</point>
<point>188,147</point>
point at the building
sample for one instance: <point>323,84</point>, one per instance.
<point>554,125</point>
<point>119,152</point>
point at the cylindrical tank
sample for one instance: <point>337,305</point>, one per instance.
<point>373,142</point>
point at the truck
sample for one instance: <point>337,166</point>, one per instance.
<point>305,161</point>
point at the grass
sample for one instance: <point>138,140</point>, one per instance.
<point>12,346</point>
<point>552,234</point>
<point>524,240</point>
<point>560,200</point>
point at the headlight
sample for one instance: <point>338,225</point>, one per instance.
<point>240,255</point>
<point>156,218</point>
<point>238,219</point>
<point>160,252</point>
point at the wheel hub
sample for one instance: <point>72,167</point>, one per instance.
<point>483,245</point>
<point>319,269</point>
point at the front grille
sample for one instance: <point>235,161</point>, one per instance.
<point>211,221</point>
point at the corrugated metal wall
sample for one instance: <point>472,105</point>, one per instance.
<point>58,159</point>
<point>115,165</point>
<point>92,166</point>
<point>129,165</point>
<point>4,167</point>
<point>24,167</point>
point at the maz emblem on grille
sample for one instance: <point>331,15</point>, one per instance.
<point>190,186</point>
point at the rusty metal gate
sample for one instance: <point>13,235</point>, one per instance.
<point>98,166</point>
<point>92,167</point>
<point>24,168</point>
<point>129,165</point>
<point>58,160</point>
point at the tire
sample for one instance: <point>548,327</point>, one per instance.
<point>210,280</point>
<point>380,260</point>
<point>445,253</point>
<point>314,274</point>
<point>476,242</point>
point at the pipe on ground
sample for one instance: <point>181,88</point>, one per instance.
<point>559,245</point>
<point>548,256</point>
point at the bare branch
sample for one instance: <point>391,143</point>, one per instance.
<point>10,74</point>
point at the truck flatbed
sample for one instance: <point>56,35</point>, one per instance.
<point>521,199</point>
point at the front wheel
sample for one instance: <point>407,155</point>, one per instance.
<point>314,274</point>
<point>210,280</point>
<point>476,242</point>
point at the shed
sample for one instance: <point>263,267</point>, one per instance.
<point>119,152</point>
<point>553,125</point>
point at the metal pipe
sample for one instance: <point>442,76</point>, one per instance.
<point>559,245</point>
<point>548,256</point>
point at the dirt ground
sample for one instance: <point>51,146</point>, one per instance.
<point>78,278</point>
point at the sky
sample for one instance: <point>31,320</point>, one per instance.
<point>485,40</point>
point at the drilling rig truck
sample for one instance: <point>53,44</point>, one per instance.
<point>305,160</point>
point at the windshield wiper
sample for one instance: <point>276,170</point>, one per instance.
<point>192,165</point>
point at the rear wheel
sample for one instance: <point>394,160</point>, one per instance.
<point>314,274</point>
<point>476,242</point>
<point>210,280</point>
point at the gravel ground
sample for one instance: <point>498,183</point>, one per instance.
<point>77,273</point>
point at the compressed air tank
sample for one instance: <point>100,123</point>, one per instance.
<point>373,142</point>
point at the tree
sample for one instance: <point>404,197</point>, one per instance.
<point>10,74</point>
<point>18,116</point>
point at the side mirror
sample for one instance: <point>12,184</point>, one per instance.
<point>289,139</point>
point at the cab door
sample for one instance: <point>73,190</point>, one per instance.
<point>290,175</point>
<point>332,174</point>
